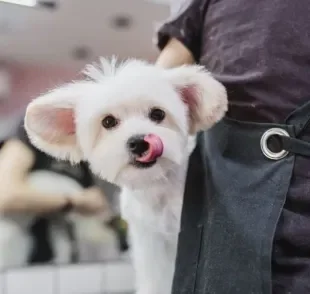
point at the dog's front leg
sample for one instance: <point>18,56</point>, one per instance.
<point>153,257</point>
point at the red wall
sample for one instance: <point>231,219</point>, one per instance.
<point>28,81</point>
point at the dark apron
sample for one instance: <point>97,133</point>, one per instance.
<point>238,179</point>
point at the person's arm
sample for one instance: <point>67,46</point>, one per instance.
<point>174,54</point>
<point>179,38</point>
<point>16,159</point>
<point>92,200</point>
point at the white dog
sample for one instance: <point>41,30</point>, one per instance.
<point>16,243</point>
<point>135,124</point>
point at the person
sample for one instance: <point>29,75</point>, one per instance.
<point>245,224</point>
<point>18,158</point>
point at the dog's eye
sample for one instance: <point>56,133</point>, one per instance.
<point>157,115</point>
<point>109,122</point>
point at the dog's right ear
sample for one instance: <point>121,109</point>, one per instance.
<point>50,122</point>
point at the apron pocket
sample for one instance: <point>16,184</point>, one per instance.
<point>189,244</point>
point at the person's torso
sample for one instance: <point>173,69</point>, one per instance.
<point>43,228</point>
<point>260,50</point>
<point>79,172</point>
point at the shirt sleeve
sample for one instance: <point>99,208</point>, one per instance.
<point>185,24</point>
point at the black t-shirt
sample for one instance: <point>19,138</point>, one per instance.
<point>41,228</point>
<point>259,49</point>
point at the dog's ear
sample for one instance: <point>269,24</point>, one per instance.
<point>50,122</point>
<point>205,97</point>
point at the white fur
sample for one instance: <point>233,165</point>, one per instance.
<point>53,183</point>
<point>151,199</point>
<point>16,243</point>
<point>87,229</point>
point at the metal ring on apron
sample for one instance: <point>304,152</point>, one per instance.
<point>264,143</point>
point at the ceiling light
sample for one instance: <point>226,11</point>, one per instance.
<point>29,3</point>
<point>122,21</point>
<point>81,53</point>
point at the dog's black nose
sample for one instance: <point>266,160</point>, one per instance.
<point>137,145</point>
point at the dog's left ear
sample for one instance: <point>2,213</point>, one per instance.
<point>205,97</point>
<point>50,122</point>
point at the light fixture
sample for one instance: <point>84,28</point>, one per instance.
<point>81,53</point>
<point>29,3</point>
<point>121,21</point>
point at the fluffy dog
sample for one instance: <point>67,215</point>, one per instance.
<point>135,124</point>
<point>16,243</point>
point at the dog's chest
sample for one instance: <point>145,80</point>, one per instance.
<point>158,209</point>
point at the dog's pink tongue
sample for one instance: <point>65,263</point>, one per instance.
<point>155,150</point>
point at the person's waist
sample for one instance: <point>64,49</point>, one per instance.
<point>247,103</point>
<point>258,111</point>
<point>250,141</point>
<point>242,139</point>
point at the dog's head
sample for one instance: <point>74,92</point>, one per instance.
<point>130,122</point>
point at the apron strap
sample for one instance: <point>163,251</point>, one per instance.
<point>299,118</point>
<point>296,146</point>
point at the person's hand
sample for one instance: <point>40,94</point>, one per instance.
<point>90,201</point>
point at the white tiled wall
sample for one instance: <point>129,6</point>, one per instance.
<point>32,280</point>
<point>85,280</point>
<point>111,278</point>
<point>112,282</point>
<point>1,285</point>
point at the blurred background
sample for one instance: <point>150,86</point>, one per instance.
<point>44,44</point>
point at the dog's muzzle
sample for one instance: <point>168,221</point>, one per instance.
<point>145,148</point>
